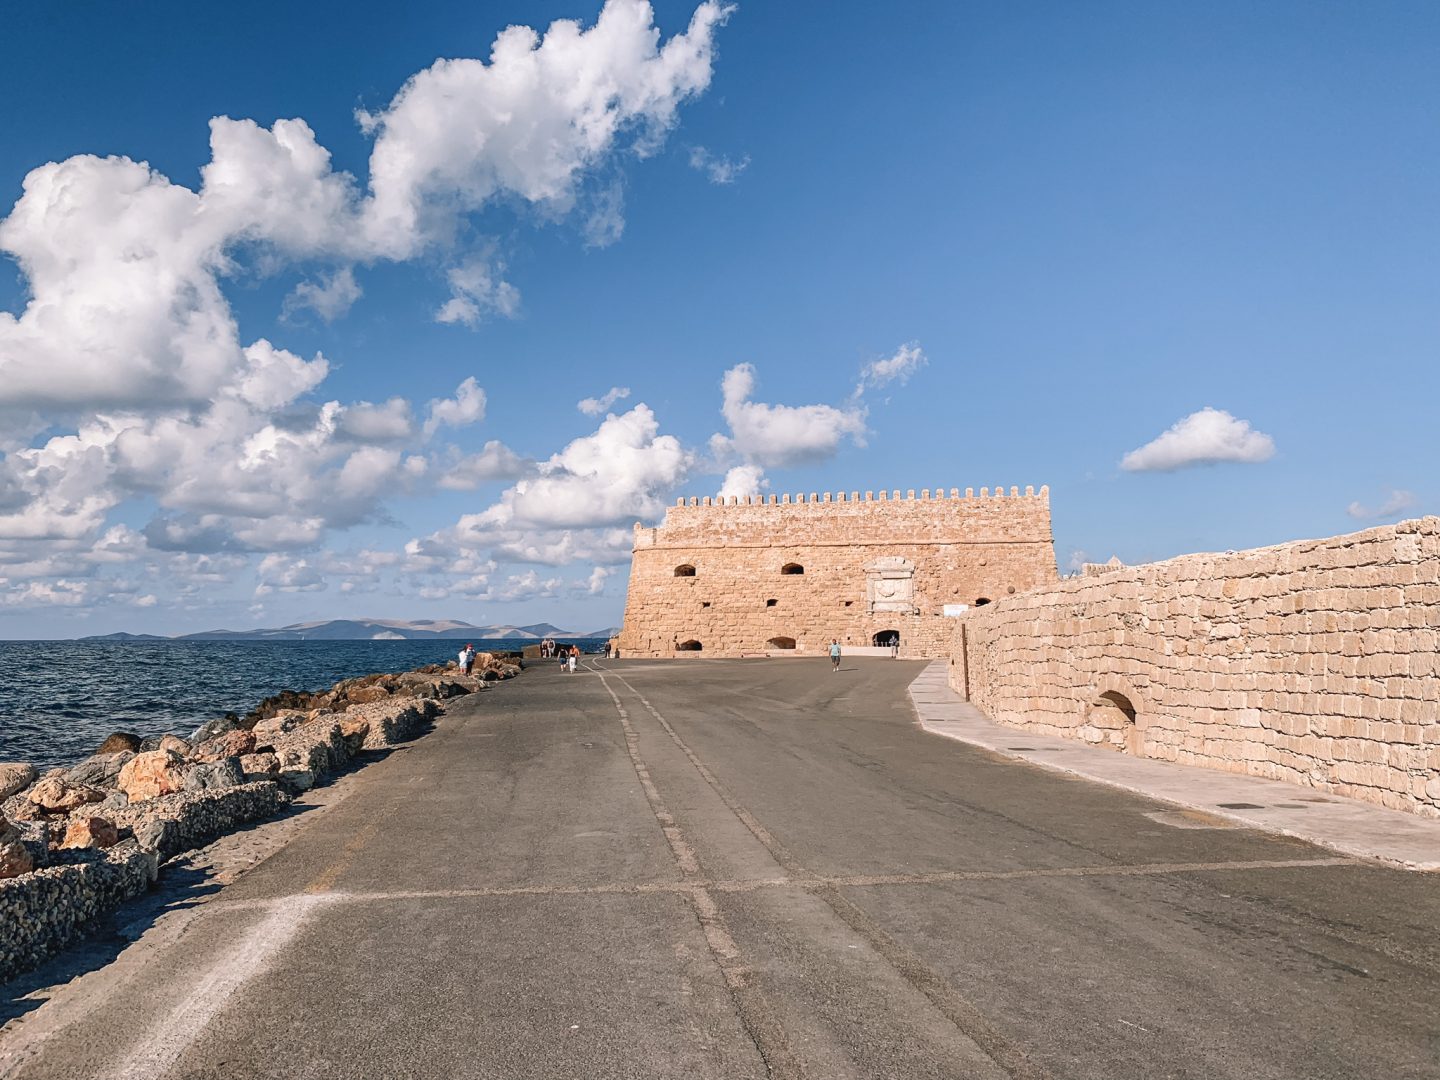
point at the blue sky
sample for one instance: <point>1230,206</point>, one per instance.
<point>1069,229</point>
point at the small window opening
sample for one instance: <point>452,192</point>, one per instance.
<point>684,570</point>
<point>704,603</point>
<point>792,568</point>
<point>981,601</point>
<point>849,603</point>
<point>771,602</point>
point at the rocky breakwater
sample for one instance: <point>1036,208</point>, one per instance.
<point>76,842</point>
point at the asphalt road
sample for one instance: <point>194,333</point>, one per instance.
<point>736,869</point>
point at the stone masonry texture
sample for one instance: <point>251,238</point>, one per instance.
<point>726,577</point>
<point>1315,662</point>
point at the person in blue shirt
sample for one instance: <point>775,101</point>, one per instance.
<point>834,655</point>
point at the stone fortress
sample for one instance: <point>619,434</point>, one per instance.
<point>1315,662</point>
<point>736,577</point>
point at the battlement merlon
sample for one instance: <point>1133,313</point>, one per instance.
<point>940,517</point>
<point>800,498</point>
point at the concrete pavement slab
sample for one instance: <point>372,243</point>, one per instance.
<point>1332,821</point>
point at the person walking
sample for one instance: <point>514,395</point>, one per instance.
<point>834,654</point>
<point>574,657</point>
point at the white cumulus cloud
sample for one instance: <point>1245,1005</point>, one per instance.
<point>601,405</point>
<point>532,121</point>
<point>743,480</point>
<point>478,289</point>
<point>280,573</point>
<point>495,461</point>
<point>1202,438</point>
<point>466,407</point>
<point>331,297</point>
<point>622,472</point>
<point>905,361</point>
<point>719,168</point>
<point>1394,505</point>
<point>781,435</point>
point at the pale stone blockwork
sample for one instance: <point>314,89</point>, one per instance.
<point>1314,662</point>
<point>774,572</point>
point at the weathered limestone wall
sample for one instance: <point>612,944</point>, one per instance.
<point>1314,662</point>
<point>870,565</point>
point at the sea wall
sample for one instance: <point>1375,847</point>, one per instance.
<point>1313,662</point>
<point>781,573</point>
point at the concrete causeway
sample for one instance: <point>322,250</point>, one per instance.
<point>750,868</point>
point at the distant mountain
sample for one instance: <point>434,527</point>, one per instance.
<point>371,630</point>
<point>608,632</point>
<point>126,637</point>
<point>543,629</point>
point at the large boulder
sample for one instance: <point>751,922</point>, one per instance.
<point>53,794</point>
<point>394,721</point>
<point>20,808</point>
<point>354,727</point>
<point>212,728</point>
<point>14,856</point>
<point>35,835</point>
<point>120,741</point>
<point>318,747</point>
<point>152,774</point>
<point>116,800</point>
<point>259,766</point>
<point>90,831</point>
<point>100,770</point>
<point>15,776</point>
<point>174,742</point>
<point>280,723</point>
<point>296,781</point>
<point>215,775</point>
<point>229,744</point>
<point>285,701</point>
<point>364,695</point>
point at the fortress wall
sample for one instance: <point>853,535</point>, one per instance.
<point>960,548</point>
<point>1316,662</point>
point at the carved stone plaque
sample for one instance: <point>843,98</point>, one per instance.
<point>890,585</point>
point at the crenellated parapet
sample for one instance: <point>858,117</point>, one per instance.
<point>909,495</point>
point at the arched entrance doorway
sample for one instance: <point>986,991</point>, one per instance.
<point>781,643</point>
<point>886,639</point>
<point>689,646</point>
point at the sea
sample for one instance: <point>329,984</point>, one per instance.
<point>59,699</point>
